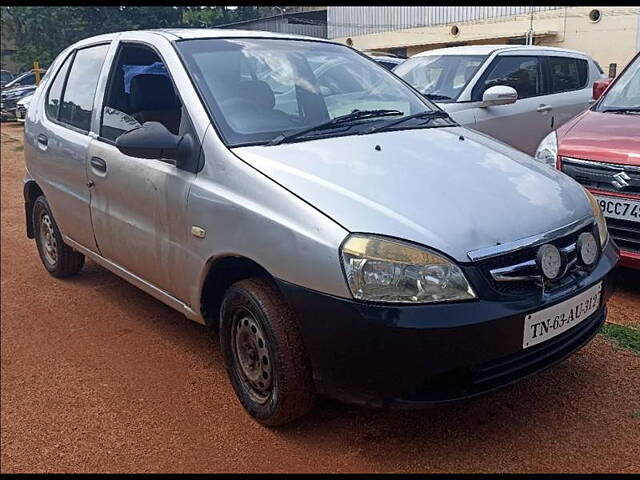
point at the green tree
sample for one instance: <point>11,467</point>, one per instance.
<point>41,33</point>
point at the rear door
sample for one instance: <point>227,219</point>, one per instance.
<point>521,124</point>
<point>569,86</point>
<point>62,139</point>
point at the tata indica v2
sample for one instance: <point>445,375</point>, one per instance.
<point>341,232</point>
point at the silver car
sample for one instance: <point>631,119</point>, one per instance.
<point>343,235</point>
<point>515,93</point>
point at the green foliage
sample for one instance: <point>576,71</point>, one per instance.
<point>624,337</point>
<point>41,33</point>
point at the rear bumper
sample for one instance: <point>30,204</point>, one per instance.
<point>423,355</point>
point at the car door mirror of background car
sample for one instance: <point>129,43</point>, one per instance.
<point>498,95</point>
<point>599,86</point>
<point>154,141</point>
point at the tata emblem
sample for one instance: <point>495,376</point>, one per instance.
<point>621,180</point>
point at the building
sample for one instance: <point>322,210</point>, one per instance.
<point>611,35</point>
<point>306,21</point>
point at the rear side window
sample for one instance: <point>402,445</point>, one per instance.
<point>567,74</point>
<point>55,91</point>
<point>77,102</point>
<point>520,73</point>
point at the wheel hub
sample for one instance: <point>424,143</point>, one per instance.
<point>48,239</point>
<point>253,357</point>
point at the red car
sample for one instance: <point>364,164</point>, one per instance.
<point>600,148</point>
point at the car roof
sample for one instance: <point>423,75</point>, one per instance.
<point>489,49</point>
<point>195,33</point>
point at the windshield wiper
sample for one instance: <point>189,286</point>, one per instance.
<point>428,114</point>
<point>435,96</point>
<point>623,110</point>
<point>355,115</point>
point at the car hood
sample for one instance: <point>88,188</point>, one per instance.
<point>605,137</point>
<point>451,189</point>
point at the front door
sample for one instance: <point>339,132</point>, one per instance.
<point>138,205</point>
<point>522,124</point>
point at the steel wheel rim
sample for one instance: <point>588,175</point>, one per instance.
<point>252,356</point>
<point>48,239</point>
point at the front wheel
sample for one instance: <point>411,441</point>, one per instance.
<point>58,258</point>
<point>264,354</point>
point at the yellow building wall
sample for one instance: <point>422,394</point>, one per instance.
<point>615,38</point>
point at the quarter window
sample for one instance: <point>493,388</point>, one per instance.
<point>520,73</point>
<point>77,102</point>
<point>55,91</point>
<point>567,74</point>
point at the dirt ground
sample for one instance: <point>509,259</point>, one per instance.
<point>99,376</point>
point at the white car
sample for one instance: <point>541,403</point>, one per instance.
<point>515,93</point>
<point>21,108</point>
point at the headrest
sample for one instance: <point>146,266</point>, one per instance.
<point>151,92</point>
<point>258,92</point>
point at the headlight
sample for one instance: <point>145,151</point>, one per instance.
<point>600,221</point>
<point>386,270</point>
<point>548,150</point>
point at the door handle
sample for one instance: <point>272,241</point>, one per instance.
<point>544,108</point>
<point>42,139</point>
<point>99,164</point>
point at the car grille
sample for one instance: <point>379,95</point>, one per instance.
<point>503,273</point>
<point>599,175</point>
<point>625,233</point>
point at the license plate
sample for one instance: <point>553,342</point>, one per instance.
<point>552,321</point>
<point>621,208</point>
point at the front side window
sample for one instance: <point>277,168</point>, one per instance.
<point>567,74</point>
<point>520,73</point>
<point>77,101</point>
<point>139,91</point>
<point>257,89</point>
<point>55,91</point>
<point>440,77</point>
<point>624,94</point>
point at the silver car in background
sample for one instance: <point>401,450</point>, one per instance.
<point>515,93</point>
<point>342,233</point>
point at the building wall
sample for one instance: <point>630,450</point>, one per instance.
<point>356,21</point>
<point>615,38</point>
<point>315,23</point>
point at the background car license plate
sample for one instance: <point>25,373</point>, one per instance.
<point>552,321</point>
<point>622,208</point>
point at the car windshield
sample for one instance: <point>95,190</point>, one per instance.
<point>440,77</point>
<point>5,76</point>
<point>27,78</point>
<point>624,95</point>
<point>258,89</point>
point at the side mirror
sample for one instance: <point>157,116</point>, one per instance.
<point>154,141</point>
<point>599,86</point>
<point>498,95</point>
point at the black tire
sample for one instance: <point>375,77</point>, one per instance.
<point>291,393</point>
<point>66,261</point>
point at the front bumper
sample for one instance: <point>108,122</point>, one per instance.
<point>421,355</point>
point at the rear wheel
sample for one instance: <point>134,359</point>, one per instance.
<point>58,258</point>
<point>264,353</point>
